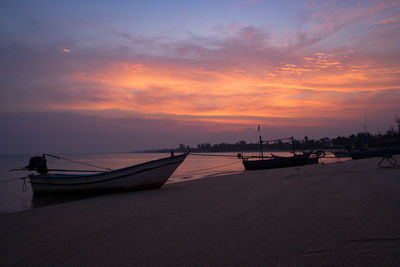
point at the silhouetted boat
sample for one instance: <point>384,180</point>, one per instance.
<point>152,174</point>
<point>371,153</point>
<point>279,162</point>
<point>261,162</point>
<point>341,153</point>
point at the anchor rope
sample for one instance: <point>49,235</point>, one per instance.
<point>13,179</point>
<point>213,155</point>
<point>219,166</point>
<point>319,154</point>
<point>78,162</point>
<point>24,188</point>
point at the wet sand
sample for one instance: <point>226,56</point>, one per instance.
<point>344,214</point>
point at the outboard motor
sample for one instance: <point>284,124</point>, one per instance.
<point>38,164</point>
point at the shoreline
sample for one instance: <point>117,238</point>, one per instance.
<point>343,213</point>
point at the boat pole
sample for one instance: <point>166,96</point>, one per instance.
<point>261,149</point>
<point>292,139</point>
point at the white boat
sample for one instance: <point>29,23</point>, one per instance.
<point>152,174</point>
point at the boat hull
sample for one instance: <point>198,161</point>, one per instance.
<point>279,162</point>
<point>372,153</point>
<point>341,153</point>
<point>149,175</point>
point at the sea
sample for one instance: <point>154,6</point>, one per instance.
<point>16,192</point>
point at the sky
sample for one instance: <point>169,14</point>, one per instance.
<point>108,76</point>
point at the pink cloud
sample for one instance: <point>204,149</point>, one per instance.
<point>393,19</point>
<point>322,19</point>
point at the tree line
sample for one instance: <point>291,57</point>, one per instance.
<point>362,140</point>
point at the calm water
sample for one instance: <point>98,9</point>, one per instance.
<point>13,198</point>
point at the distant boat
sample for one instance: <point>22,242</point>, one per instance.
<point>279,162</point>
<point>151,174</point>
<point>341,153</point>
<point>261,162</point>
<point>371,153</point>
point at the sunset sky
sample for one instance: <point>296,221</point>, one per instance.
<point>85,76</point>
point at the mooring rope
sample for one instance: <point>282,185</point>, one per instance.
<point>213,155</point>
<point>13,179</point>
<point>78,162</point>
<point>205,169</point>
<point>318,154</point>
<point>24,187</point>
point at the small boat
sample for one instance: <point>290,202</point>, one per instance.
<point>279,162</point>
<point>341,153</point>
<point>274,161</point>
<point>148,175</point>
<point>372,153</point>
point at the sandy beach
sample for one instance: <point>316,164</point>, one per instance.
<point>342,214</point>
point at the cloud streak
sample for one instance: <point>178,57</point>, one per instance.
<point>236,76</point>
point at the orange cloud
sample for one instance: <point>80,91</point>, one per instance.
<point>393,19</point>
<point>63,49</point>
<point>309,88</point>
